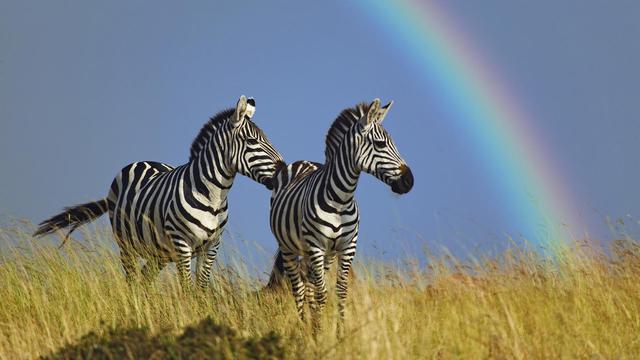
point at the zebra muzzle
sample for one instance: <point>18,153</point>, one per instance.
<point>404,184</point>
<point>270,181</point>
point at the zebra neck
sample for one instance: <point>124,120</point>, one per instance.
<point>212,159</point>
<point>211,179</point>
<point>340,178</point>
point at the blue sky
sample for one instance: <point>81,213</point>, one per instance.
<point>88,87</point>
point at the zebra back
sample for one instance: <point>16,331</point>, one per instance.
<point>294,172</point>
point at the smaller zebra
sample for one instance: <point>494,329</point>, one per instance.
<point>168,214</point>
<point>314,215</point>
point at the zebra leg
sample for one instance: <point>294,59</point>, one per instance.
<point>205,261</point>
<point>292,268</point>
<point>310,292</point>
<point>183,254</point>
<point>344,267</point>
<point>328,260</point>
<point>316,273</point>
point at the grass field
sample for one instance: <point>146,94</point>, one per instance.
<point>583,304</point>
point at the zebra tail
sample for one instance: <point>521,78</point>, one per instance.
<point>72,217</point>
<point>277,280</point>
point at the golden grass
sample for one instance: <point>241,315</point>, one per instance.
<point>583,304</point>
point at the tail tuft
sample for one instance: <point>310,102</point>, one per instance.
<point>72,217</point>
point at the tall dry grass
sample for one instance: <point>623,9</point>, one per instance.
<point>582,304</point>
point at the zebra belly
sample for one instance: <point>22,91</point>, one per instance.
<point>148,236</point>
<point>143,234</point>
<point>330,240</point>
<point>299,223</point>
<point>199,235</point>
<point>134,208</point>
<point>330,232</point>
<point>202,245</point>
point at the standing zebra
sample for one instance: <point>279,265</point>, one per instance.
<point>314,214</point>
<point>164,214</point>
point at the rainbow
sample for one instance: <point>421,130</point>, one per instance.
<point>504,135</point>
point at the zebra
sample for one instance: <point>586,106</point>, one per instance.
<point>165,214</point>
<point>314,215</point>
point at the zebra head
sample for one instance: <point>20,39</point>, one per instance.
<point>251,153</point>
<point>376,151</point>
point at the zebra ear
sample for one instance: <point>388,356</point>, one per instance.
<point>383,112</point>
<point>370,117</point>
<point>245,108</point>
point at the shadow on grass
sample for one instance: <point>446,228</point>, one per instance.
<point>206,340</point>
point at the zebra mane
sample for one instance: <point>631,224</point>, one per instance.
<point>341,125</point>
<point>207,130</point>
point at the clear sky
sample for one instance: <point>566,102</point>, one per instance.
<point>88,87</point>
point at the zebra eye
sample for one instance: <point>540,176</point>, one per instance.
<point>252,141</point>
<point>379,144</point>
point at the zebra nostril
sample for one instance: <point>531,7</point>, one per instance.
<point>407,177</point>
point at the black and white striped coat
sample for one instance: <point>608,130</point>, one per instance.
<point>165,214</point>
<point>314,215</point>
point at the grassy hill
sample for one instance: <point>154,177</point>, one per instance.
<point>74,302</point>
